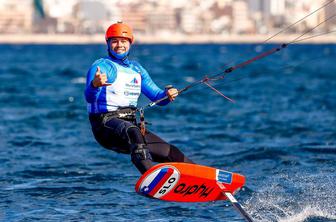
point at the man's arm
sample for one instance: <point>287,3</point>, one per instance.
<point>96,78</point>
<point>150,89</point>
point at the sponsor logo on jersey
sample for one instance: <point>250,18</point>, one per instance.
<point>127,93</point>
<point>134,81</point>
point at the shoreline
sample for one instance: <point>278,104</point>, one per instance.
<point>160,39</point>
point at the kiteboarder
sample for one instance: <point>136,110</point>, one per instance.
<point>113,86</point>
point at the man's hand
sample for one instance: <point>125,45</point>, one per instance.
<point>172,94</point>
<point>100,79</point>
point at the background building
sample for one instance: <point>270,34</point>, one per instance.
<point>16,16</point>
<point>150,17</point>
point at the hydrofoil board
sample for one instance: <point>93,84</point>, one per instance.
<point>184,182</point>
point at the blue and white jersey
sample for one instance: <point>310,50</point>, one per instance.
<point>128,80</point>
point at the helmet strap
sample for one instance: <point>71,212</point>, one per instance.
<point>118,56</point>
<point>112,53</point>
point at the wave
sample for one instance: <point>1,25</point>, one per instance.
<point>319,148</point>
<point>78,80</point>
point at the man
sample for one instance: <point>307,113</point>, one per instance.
<point>113,86</point>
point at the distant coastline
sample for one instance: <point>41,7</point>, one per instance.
<point>158,39</point>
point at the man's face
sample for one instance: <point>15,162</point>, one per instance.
<point>120,45</point>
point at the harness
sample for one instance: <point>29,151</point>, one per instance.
<point>125,113</point>
<point>142,122</point>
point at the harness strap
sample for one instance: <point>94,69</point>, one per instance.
<point>141,152</point>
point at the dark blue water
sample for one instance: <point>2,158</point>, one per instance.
<point>280,134</point>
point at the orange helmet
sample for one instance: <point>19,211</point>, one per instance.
<point>119,29</point>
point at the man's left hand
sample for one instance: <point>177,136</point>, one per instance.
<point>172,94</point>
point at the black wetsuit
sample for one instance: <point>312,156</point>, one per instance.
<point>123,135</point>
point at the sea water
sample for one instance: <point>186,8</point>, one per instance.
<point>280,133</point>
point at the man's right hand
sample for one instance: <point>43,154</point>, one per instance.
<point>100,79</point>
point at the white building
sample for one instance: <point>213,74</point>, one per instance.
<point>300,9</point>
<point>16,16</point>
<point>241,21</point>
<point>277,7</point>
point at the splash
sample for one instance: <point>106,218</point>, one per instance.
<point>297,197</point>
<point>308,213</point>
